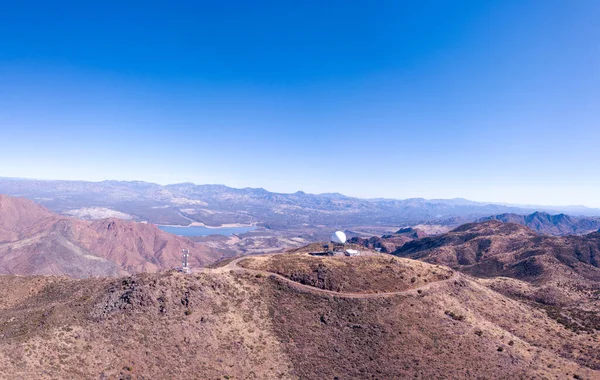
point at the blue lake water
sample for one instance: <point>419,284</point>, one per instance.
<point>203,231</point>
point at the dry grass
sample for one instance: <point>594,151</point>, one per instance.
<point>240,326</point>
<point>359,274</point>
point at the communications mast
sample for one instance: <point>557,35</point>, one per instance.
<point>184,261</point>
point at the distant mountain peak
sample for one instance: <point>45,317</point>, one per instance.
<point>545,223</point>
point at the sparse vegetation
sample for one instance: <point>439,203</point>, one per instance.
<point>277,331</point>
<point>362,274</point>
<point>455,316</point>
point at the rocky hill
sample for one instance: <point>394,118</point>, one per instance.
<point>507,249</point>
<point>549,224</point>
<point>558,274</point>
<point>236,323</point>
<point>36,241</point>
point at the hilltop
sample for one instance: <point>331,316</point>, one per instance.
<point>231,322</point>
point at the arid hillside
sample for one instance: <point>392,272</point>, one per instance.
<point>493,248</point>
<point>370,274</point>
<point>36,241</point>
<point>560,275</point>
<point>20,217</point>
<point>234,323</point>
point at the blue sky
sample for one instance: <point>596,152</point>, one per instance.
<point>487,100</point>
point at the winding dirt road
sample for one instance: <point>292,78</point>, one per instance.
<point>233,266</point>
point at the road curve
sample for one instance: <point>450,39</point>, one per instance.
<point>233,266</point>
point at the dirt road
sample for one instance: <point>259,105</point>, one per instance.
<point>233,266</point>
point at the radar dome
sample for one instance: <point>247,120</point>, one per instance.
<point>338,237</point>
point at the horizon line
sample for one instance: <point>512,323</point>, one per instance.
<point>483,203</point>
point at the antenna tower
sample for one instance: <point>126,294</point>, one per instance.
<point>184,261</point>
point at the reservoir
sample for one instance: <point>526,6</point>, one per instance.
<point>204,231</point>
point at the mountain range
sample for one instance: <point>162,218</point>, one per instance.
<point>34,240</point>
<point>548,224</point>
<point>215,205</point>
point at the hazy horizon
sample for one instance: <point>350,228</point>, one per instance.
<point>531,205</point>
<point>494,101</point>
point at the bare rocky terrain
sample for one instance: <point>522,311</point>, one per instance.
<point>493,248</point>
<point>362,274</point>
<point>559,275</point>
<point>231,323</point>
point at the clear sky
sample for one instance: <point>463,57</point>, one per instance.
<point>486,100</point>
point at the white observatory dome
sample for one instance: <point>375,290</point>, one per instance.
<point>338,237</point>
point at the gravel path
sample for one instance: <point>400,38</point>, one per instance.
<point>233,266</point>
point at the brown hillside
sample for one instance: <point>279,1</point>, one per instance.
<point>36,241</point>
<point>360,274</point>
<point>20,217</point>
<point>494,248</point>
<point>228,323</point>
<point>559,275</point>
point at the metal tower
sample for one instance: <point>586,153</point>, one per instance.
<point>184,262</point>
